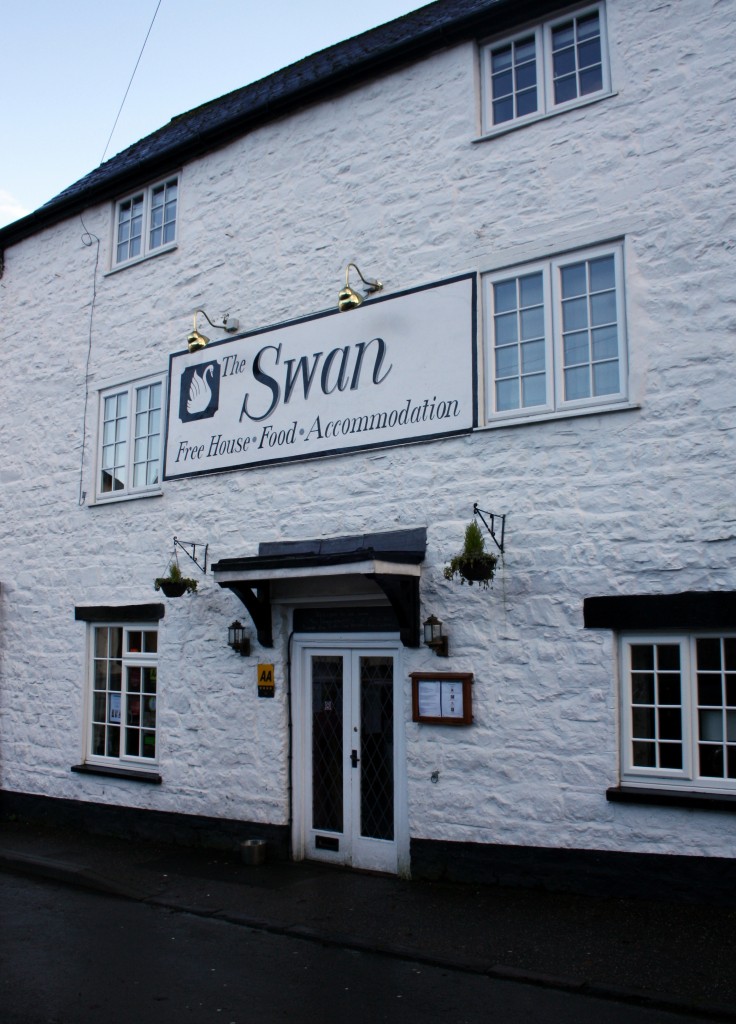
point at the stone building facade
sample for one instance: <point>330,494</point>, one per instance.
<point>545,192</point>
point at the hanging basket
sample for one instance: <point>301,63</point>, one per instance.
<point>473,564</point>
<point>172,589</point>
<point>175,584</point>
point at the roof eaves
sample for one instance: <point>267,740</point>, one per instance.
<point>219,121</point>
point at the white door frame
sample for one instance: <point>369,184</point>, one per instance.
<point>305,644</point>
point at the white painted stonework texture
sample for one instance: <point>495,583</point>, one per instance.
<point>638,500</point>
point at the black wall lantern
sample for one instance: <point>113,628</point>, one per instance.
<point>237,638</point>
<point>434,637</point>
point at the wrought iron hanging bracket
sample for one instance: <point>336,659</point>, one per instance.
<point>491,526</point>
<point>185,545</point>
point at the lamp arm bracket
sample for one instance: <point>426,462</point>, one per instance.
<point>491,526</point>
<point>185,545</point>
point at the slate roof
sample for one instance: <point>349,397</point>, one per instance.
<point>217,122</point>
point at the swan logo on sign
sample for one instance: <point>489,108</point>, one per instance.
<point>199,396</point>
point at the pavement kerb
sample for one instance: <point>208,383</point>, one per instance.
<point>83,878</point>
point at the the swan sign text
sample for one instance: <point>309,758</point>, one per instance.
<point>396,370</point>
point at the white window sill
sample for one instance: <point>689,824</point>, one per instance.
<point>512,126</point>
<point>562,414</point>
<point>113,499</point>
<point>142,259</point>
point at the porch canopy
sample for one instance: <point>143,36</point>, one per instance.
<point>311,568</point>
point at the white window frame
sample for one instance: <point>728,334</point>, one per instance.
<point>687,777</point>
<point>105,441</point>
<point>546,105</point>
<point>555,403</point>
<point>96,719</point>
<point>149,206</point>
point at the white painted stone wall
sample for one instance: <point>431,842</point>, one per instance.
<point>637,501</point>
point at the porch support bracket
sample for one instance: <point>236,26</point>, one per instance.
<point>403,595</point>
<point>257,601</point>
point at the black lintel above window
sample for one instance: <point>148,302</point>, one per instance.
<point>689,610</point>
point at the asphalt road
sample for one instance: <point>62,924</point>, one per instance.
<point>74,957</point>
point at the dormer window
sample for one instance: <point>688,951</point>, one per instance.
<point>145,222</point>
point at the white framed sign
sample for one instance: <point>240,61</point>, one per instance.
<point>399,369</point>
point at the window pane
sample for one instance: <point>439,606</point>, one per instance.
<point>711,760</point>
<point>506,328</point>
<point>729,651</point>
<point>532,357</point>
<point>603,309</point>
<point>587,26</point>
<point>711,725</point>
<point>669,689</point>
<point>605,342</point>
<point>642,723</point>
<point>507,361</point>
<point>591,80</point>
<point>670,755</point>
<point>576,348</point>
<point>708,652</point>
<point>504,296</point>
<point>563,35</point>
<point>503,85</point>
<point>530,291</point>
<point>577,384</point>
<point>534,390</point>
<point>503,110</point>
<point>709,691</point>
<point>644,755</point>
<point>642,688</point>
<point>573,280</point>
<point>532,323</point>
<point>526,76</point>
<point>564,62</point>
<point>605,378</point>
<point>507,394</point>
<point>670,724</point>
<point>602,274</point>
<point>526,102</point>
<point>642,656</point>
<point>574,314</point>
<point>589,54</point>
<point>566,89</point>
<point>501,59</point>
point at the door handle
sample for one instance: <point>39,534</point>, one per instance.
<point>354,758</point>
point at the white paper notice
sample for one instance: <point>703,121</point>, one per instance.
<point>430,699</point>
<point>452,699</point>
<point>440,698</point>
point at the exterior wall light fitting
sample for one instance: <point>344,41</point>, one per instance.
<point>435,638</point>
<point>197,340</point>
<point>237,639</point>
<point>350,299</point>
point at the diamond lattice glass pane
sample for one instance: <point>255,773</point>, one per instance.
<point>377,747</point>
<point>327,752</point>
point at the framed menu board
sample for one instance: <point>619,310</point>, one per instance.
<point>442,698</point>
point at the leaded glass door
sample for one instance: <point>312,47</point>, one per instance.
<point>350,769</point>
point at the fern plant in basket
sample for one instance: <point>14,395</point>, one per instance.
<point>473,564</point>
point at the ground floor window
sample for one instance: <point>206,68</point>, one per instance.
<point>679,711</point>
<point>123,695</point>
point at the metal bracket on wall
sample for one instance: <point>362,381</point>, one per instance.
<point>491,527</point>
<point>185,545</point>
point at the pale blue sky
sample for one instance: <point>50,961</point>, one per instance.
<point>66,65</point>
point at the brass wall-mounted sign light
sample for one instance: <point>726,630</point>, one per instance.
<point>197,340</point>
<point>350,299</point>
